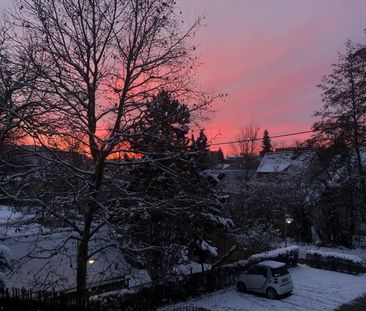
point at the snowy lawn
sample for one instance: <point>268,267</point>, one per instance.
<point>314,290</point>
<point>45,258</point>
<point>8,216</point>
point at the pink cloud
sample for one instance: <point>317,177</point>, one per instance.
<point>271,74</point>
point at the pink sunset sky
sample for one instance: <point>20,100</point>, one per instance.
<point>268,56</point>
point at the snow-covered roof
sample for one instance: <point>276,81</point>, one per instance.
<point>283,161</point>
<point>272,264</point>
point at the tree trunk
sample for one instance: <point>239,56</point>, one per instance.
<point>82,261</point>
<point>83,248</point>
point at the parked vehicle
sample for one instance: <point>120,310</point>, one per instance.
<point>267,277</point>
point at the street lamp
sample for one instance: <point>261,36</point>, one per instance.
<point>288,220</point>
<point>91,261</point>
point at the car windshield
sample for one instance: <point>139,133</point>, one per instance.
<point>279,271</point>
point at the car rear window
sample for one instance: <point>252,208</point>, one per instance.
<point>279,271</point>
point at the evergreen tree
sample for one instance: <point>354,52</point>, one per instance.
<point>342,127</point>
<point>343,115</point>
<point>182,202</point>
<point>163,129</point>
<point>221,155</point>
<point>170,157</point>
<point>266,143</point>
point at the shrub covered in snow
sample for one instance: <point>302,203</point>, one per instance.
<point>334,261</point>
<point>201,251</point>
<point>288,255</point>
<point>346,257</point>
<point>260,237</point>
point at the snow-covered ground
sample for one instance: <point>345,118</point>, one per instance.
<point>45,258</point>
<point>50,268</point>
<point>314,289</point>
<point>9,216</point>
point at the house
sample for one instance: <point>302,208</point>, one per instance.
<point>290,162</point>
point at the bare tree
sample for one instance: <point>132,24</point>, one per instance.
<point>98,62</point>
<point>17,109</point>
<point>246,149</point>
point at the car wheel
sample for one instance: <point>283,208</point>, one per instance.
<point>241,287</point>
<point>271,293</point>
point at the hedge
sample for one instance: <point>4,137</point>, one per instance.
<point>288,255</point>
<point>334,261</point>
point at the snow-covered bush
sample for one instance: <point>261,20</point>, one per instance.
<point>201,251</point>
<point>259,237</point>
<point>5,262</point>
<point>289,255</point>
<point>328,255</point>
<point>334,261</point>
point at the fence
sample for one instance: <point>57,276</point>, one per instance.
<point>189,308</point>
<point>23,299</point>
<point>176,289</point>
<point>16,299</point>
<point>102,287</point>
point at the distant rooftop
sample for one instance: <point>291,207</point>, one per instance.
<point>283,161</point>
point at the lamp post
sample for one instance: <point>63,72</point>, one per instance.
<point>288,220</point>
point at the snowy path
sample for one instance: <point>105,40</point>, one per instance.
<point>314,289</point>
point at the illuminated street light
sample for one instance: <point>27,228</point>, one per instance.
<point>91,261</point>
<point>288,220</point>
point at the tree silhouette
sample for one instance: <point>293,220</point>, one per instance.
<point>266,143</point>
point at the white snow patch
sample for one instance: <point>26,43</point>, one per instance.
<point>8,215</point>
<point>272,264</point>
<point>208,248</point>
<point>223,221</point>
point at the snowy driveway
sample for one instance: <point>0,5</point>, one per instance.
<point>314,289</point>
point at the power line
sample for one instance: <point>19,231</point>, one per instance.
<point>271,137</point>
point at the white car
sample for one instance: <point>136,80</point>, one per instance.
<point>267,277</point>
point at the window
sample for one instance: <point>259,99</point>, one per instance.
<point>252,270</point>
<point>263,271</point>
<point>279,271</point>
<point>258,271</point>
